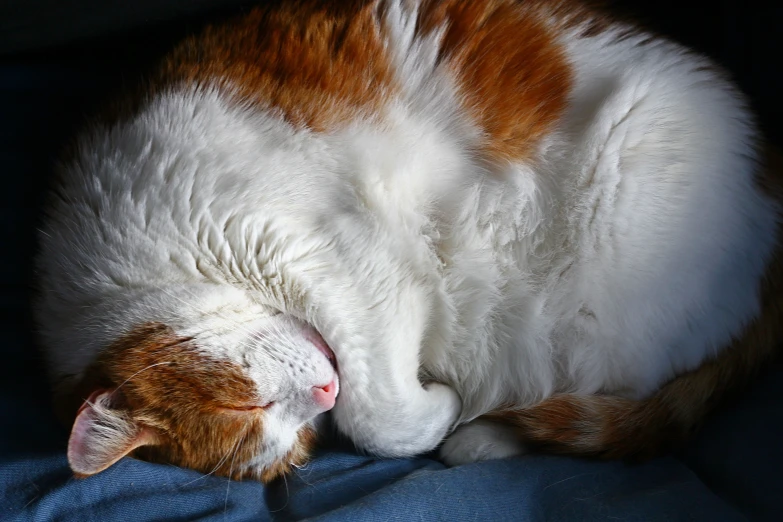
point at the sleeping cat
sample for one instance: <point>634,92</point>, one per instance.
<point>503,224</point>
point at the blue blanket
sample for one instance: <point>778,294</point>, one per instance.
<point>342,486</point>
<point>732,472</point>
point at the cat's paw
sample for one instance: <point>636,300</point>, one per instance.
<point>432,411</point>
<point>437,414</point>
<point>444,403</point>
<point>409,424</point>
<point>481,440</point>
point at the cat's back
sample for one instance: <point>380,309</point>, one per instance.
<point>665,230</point>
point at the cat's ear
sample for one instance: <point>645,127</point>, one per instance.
<point>102,435</point>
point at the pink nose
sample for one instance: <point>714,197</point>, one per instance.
<point>325,395</point>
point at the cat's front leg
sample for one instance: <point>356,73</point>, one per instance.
<point>376,328</point>
<point>382,406</point>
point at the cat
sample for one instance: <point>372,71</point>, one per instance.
<point>491,227</point>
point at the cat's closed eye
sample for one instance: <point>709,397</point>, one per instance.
<point>246,408</point>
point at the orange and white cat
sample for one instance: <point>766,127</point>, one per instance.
<point>503,224</point>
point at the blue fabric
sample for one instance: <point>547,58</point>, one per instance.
<point>340,486</point>
<point>733,472</point>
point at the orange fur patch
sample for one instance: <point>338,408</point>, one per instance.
<point>514,78</point>
<point>199,408</point>
<point>321,64</point>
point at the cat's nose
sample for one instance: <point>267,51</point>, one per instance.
<point>325,395</point>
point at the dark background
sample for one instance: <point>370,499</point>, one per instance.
<point>63,57</point>
<point>116,36</point>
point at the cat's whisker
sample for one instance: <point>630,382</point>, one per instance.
<point>217,466</point>
<point>231,470</point>
<point>138,372</point>
<point>287,496</point>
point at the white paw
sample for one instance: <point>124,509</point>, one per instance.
<point>431,413</point>
<point>481,440</point>
<point>402,426</point>
<point>444,404</point>
<point>432,419</point>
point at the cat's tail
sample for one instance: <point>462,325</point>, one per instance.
<point>610,427</point>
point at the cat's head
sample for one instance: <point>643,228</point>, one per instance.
<point>247,411</point>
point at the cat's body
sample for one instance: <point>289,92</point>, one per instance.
<point>516,200</point>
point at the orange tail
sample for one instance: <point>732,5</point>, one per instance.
<point>610,427</point>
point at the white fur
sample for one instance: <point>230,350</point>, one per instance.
<point>628,252</point>
<point>481,440</point>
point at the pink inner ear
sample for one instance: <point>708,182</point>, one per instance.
<point>93,398</point>
<point>101,436</point>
